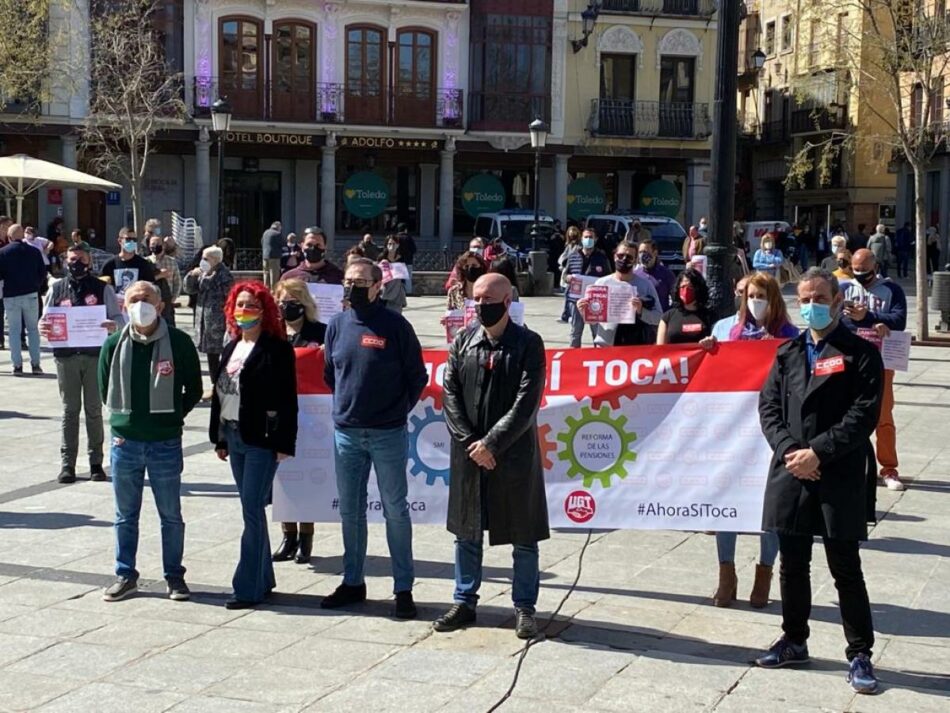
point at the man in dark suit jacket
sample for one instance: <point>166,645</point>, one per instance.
<point>818,409</point>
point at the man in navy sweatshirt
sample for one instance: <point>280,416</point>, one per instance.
<point>375,370</point>
<point>23,274</point>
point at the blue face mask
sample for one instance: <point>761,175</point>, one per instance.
<point>816,316</point>
<point>587,243</point>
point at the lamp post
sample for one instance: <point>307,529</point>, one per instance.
<point>720,249</point>
<point>758,60</point>
<point>539,137</point>
<point>221,122</point>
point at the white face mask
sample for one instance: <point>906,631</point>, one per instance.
<point>758,308</point>
<point>204,265</point>
<point>142,314</point>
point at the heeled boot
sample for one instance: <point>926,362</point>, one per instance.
<point>728,584</point>
<point>759,599</point>
<point>306,548</point>
<point>287,549</point>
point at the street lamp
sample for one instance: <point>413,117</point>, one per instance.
<point>539,137</point>
<point>758,60</point>
<point>221,122</point>
<point>588,18</point>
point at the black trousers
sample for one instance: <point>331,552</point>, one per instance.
<point>844,561</point>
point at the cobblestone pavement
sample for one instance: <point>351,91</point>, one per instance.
<point>638,634</point>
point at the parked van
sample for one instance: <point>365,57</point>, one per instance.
<point>514,227</point>
<point>666,232</point>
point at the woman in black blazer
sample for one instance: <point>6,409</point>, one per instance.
<point>254,424</point>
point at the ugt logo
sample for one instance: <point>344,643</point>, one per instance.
<point>580,506</point>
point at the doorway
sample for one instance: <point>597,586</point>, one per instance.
<point>251,204</point>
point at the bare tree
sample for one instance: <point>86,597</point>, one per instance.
<point>895,55</point>
<point>133,95</point>
<point>24,55</point>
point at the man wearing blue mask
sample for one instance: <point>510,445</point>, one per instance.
<point>128,267</point>
<point>818,409</point>
<point>586,262</point>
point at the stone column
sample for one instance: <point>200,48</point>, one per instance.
<point>561,179</point>
<point>328,190</point>
<point>203,185</point>
<point>427,200</point>
<point>447,194</point>
<point>624,190</point>
<point>70,197</point>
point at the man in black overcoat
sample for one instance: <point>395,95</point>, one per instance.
<point>818,410</point>
<point>494,380</point>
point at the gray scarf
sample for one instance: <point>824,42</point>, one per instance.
<point>161,397</point>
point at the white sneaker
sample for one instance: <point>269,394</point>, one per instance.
<point>892,480</point>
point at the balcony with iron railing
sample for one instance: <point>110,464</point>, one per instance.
<point>649,119</point>
<point>331,103</point>
<point>817,120</point>
<point>698,8</point>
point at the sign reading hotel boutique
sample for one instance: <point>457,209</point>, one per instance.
<point>365,194</point>
<point>585,196</point>
<point>483,193</point>
<point>660,198</point>
<point>269,137</point>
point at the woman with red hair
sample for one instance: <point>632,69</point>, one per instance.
<point>254,424</point>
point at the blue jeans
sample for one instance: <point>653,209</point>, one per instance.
<point>386,450</point>
<point>164,462</point>
<point>803,256</point>
<point>253,469</point>
<point>525,581</point>
<point>21,310</point>
<point>768,547</point>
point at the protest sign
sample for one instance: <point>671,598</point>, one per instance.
<point>76,327</point>
<point>894,348</point>
<point>453,321</point>
<point>663,437</point>
<point>611,303</point>
<point>393,271</point>
<point>329,299</point>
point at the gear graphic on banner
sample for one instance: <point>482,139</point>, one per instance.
<point>429,446</point>
<point>596,446</point>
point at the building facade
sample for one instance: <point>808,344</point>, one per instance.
<point>366,114</point>
<point>810,91</point>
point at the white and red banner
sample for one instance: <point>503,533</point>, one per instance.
<point>662,437</point>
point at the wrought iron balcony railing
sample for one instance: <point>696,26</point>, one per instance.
<point>649,119</point>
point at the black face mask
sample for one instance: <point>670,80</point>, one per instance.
<point>843,264</point>
<point>77,270</point>
<point>358,297</point>
<point>157,250</point>
<point>473,272</point>
<point>314,254</point>
<point>864,277</point>
<point>291,311</point>
<point>624,264</point>
<point>490,314</point>
<point>646,259</point>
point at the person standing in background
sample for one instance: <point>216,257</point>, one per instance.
<point>210,282</point>
<point>167,275</point>
<point>933,250</point>
<point>23,274</point>
<point>407,248</point>
<point>272,245</point>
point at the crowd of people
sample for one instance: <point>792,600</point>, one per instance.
<point>817,417</point>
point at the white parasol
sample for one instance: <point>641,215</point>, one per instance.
<point>20,175</point>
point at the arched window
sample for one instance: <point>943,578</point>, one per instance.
<point>292,74</point>
<point>240,65</point>
<point>415,77</point>
<point>365,74</point>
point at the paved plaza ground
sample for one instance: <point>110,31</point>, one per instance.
<point>638,634</point>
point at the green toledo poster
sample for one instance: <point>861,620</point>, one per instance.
<point>365,194</point>
<point>585,196</point>
<point>660,198</point>
<point>483,193</point>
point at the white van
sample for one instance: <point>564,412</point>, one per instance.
<point>755,229</point>
<point>514,227</point>
<point>667,233</point>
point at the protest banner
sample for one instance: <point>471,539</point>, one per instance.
<point>663,437</point>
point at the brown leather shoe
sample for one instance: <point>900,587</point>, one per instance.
<point>759,599</point>
<point>728,585</point>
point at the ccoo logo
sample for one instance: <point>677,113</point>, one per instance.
<point>580,506</point>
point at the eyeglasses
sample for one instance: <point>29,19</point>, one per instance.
<point>357,283</point>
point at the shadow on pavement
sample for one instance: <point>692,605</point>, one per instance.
<point>48,521</point>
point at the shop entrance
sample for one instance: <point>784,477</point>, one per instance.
<point>251,204</point>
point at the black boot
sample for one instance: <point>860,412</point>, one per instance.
<point>306,548</point>
<point>287,549</point>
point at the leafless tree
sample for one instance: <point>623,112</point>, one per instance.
<point>133,95</point>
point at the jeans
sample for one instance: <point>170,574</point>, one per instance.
<point>409,281</point>
<point>525,580</point>
<point>253,469</point>
<point>23,310</point>
<point>386,450</point>
<point>79,390</point>
<point>726,547</point>
<point>566,312</point>
<point>164,462</point>
<point>803,256</point>
<point>577,327</point>
<point>844,561</point>
<point>903,262</point>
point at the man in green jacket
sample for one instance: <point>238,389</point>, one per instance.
<point>150,379</point>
